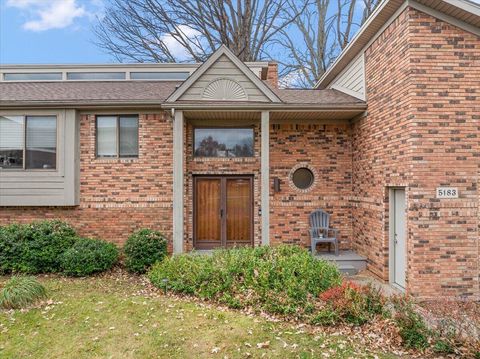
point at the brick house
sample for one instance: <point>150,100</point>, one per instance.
<point>216,155</point>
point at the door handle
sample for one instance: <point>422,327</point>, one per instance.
<point>221,213</point>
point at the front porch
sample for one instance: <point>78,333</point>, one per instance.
<point>252,161</point>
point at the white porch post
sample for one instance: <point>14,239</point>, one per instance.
<point>265,176</point>
<point>178,182</point>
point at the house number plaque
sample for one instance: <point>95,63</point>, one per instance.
<point>447,192</point>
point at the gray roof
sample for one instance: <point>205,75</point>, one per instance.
<point>90,93</point>
<point>316,97</point>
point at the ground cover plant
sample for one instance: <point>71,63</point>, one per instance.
<point>282,280</point>
<point>412,327</point>
<point>143,248</point>
<point>20,292</point>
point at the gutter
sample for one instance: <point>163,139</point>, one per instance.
<point>267,106</point>
<point>187,106</point>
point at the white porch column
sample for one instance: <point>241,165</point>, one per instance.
<point>265,176</point>
<point>178,182</point>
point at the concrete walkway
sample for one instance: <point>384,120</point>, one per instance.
<point>365,277</point>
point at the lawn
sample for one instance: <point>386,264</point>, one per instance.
<point>118,316</point>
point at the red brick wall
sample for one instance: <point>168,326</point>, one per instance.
<point>446,150</point>
<point>326,150</point>
<point>381,148</point>
<point>117,196</point>
<point>272,74</point>
<point>421,132</point>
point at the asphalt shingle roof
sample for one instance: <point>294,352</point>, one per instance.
<point>317,97</point>
<point>139,92</point>
<point>87,92</point>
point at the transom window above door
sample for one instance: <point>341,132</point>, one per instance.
<point>223,142</point>
<point>117,136</point>
<point>28,142</point>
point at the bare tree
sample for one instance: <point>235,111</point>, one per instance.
<point>315,38</point>
<point>172,30</point>
<point>306,45</point>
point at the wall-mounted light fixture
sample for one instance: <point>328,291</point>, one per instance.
<point>276,184</point>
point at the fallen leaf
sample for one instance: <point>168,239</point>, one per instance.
<point>264,344</point>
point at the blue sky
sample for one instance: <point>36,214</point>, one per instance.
<point>49,31</point>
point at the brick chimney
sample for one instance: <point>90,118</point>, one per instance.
<point>271,75</point>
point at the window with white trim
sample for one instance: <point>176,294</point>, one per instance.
<point>28,142</point>
<point>117,136</point>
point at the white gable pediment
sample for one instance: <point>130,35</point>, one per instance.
<point>223,77</point>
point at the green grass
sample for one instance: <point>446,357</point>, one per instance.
<point>113,317</point>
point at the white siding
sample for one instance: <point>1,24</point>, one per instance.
<point>47,188</point>
<point>224,68</point>
<point>352,79</point>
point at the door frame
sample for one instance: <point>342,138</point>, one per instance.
<point>223,202</point>
<point>391,237</point>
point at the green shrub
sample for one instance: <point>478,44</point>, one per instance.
<point>35,247</point>
<point>443,346</point>
<point>143,248</point>
<point>88,256</point>
<point>325,316</point>
<point>20,292</point>
<point>354,304</point>
<point>412,328</point>
<point>282,280</point>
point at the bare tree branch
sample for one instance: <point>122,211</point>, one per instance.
<point>305,36</point>
<point>171,30</point>
<point>316,37</point>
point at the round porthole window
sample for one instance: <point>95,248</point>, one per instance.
<point>302,178</point>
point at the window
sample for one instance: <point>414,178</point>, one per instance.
<point>302,178</point>
<point>95,75</point>
<point>223,142</point>
<point>32,76</point>
<point>117,136</point>
<point>159,75</point>
<point>28,142</point>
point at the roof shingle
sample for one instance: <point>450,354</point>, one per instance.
<point>140,92</point>
<point>86,92</point>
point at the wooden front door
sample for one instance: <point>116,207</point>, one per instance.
<point>223,211</point>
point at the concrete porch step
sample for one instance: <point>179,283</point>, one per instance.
<point>348,262</point>
<point>347,270</point>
